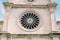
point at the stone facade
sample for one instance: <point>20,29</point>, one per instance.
<point>41,12</point>
<point>8,36</point>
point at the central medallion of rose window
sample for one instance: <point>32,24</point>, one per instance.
<point>30,21</point>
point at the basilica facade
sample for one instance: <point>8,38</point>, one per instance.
<point>29,20</point>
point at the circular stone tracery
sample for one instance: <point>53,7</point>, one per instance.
<point>30,21</point>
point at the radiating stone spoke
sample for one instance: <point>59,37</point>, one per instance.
<point>30,21</point>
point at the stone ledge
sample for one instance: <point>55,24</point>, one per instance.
<point>29,6</point>
<point>55,33</point>
<point>3,32</point>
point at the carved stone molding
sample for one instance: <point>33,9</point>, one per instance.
<point>52,7</point>
<point>28,6</point>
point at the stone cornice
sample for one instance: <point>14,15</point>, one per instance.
<point>52,5</point>
<point>30,35</point>
<point>28,6</point>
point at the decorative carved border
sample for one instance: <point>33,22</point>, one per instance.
<point>29,6</point>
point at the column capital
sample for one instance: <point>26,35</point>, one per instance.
<point>52,7</point>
